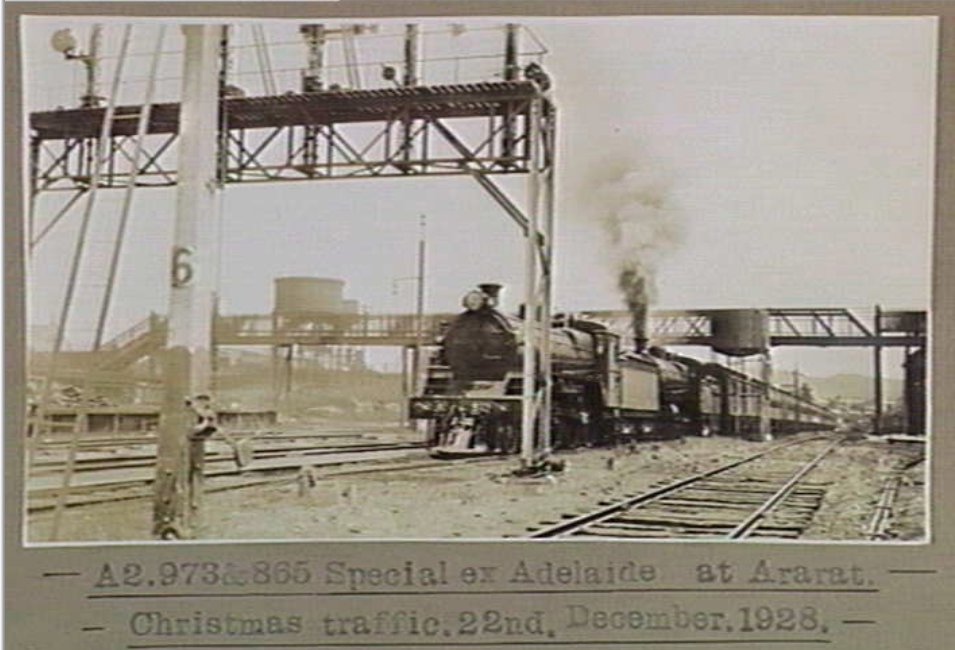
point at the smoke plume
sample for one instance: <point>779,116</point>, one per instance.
<point>643,227</point>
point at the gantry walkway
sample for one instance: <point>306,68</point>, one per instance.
<point>829,327</point>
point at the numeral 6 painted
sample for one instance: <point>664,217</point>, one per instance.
<point>182,270</point>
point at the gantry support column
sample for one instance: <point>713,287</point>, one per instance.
<point>547,144</point>
<point>537,224</point>
<point>178,485</point>
<point>535,402</point>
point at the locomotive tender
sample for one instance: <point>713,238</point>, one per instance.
<point>602,395</point>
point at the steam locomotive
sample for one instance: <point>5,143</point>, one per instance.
<point>602,395</point>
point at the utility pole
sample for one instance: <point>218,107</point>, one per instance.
<point>877,362</point>
<point>797,390</point>
<point>187,414</point>
<point>419,310</point>
<point>766,377</point>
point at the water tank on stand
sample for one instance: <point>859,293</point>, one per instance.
<point>740,332</point>
<point>302,295</point>
<point>350,307</point>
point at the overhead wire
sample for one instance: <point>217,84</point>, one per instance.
<point>101,146</point>
<point>141,129</point>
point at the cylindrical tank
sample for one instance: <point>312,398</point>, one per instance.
<point>740,332</point>
<point>303,294</point>
<point>350,307</point>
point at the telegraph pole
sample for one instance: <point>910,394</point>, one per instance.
<point>877,366</point>
<point>419,311</point>
<point>187,412</point>
<point>766,377</point>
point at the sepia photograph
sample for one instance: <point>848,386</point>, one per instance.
<point>631,278</point>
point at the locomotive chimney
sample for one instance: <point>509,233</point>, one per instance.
<point>492,291</point>
<point>639,315</point>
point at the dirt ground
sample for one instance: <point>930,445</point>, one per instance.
<point>483,501</point>
<point>856,473</point>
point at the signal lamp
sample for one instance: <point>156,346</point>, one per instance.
<point>63,41</point>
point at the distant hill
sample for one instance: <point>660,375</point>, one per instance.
<point>849,386</point>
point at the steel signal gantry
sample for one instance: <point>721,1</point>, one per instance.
<point>411,131</point>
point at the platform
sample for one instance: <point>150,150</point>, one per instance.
<point>298,109</point>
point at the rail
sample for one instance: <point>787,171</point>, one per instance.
<point>576,524</point>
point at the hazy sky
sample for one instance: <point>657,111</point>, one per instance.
<point>791,160</point>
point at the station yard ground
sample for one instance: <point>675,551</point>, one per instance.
<point>483,500</point>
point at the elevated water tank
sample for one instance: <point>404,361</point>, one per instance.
<point>295,295</point>
<point>350,307</point>
<point>740,332</point>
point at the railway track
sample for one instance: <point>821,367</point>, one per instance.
<point>46,467</point>
<point>879,526</point>
<point>91,444</point>
<point>43,500</point>
<point>44,488</point>
<point>763,495</point>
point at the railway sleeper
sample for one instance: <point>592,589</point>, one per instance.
<point>763,477</point>
<point>671,516</point>
<point>736,513</point>
<point>673,522</point>
<point>733,503</point>
<point>648,534</point>
<point>722,497</point>
<point>755,485</point>
<point>641,533</point>
<point>731,518</point>
<point>676,505</point>
<point>746,488</point>
<point>671,531</point>
<point>736,500</point>
<point>638,531</point>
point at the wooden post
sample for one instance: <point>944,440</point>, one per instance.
<point>877,367</point>
<point>765,407</point>
<point>178,485</point>
<point>417,359</point>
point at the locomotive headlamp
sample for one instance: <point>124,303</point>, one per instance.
<point>474,300</point>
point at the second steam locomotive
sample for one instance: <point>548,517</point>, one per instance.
<point>602,395</point>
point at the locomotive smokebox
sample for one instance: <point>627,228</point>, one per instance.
<point>740,332</point>
<point>492,291</point>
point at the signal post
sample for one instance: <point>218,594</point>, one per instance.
<point>187,414</point>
